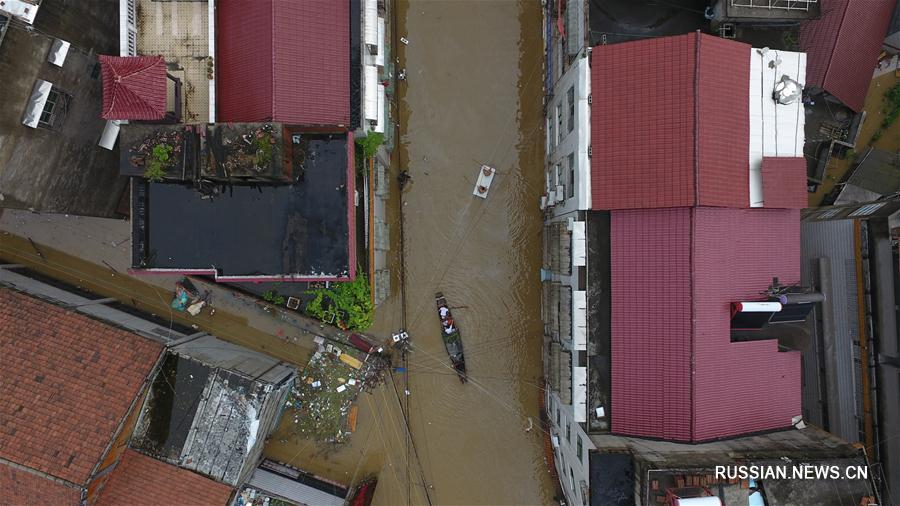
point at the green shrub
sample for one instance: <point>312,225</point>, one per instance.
<point>350,301</point>
<point>264,144</point>
<point>891,109</point>
<point>159,160</point>
<point>273,297</point>
<point>369,144</point>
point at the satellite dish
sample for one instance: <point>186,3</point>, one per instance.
<point>787,91</point>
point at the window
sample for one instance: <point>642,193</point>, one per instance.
<point>571,181</point>
<point>580,449</point>
<point>570,97</point>
<point>55,109</point>
<point>572,477</point>
<point>549,136</point>
<point>559,123</point>
<point>557,417</point>
<point>557,175</point>
<point>569,433</point>
<point>563,176</point>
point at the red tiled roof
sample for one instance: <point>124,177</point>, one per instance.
<point>139,478</point>
<point>134,87</point>
<point>22,487</point>
<point>842,47</point>
<point>67,382</point>
<point>670,123</point>
<point>784,182</point>
<point>674,274</point>
<point>283,61</point>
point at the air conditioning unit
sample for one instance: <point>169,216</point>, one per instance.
<point>543,202</point>
<point>560,193</point>
<point>551,198</point>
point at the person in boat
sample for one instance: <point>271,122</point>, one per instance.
<point>450,329</point>
<point>445,312</point>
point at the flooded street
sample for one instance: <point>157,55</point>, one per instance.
<point>472,96</point>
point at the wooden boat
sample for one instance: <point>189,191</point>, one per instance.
<point>450,335</point>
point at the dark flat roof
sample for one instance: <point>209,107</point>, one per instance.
<point>612,479</point>
<point>248,231</point>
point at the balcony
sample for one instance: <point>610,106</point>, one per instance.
<point>183,33</point>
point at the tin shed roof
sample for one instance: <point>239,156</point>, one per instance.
<point>134,87</point>
<point>843,46</point>
<point>284,61</point>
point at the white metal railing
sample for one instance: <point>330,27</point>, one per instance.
<point>790,5</point>
<point>127,28</point>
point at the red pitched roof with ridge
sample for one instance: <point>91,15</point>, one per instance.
<point>843,45</point>
<point>134,87</point>
<point>67,382</point>
<point>670,123</point>
<point>283,61</point>
<point>675,372</point>
<point>139,478</point>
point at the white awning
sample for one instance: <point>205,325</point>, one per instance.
<point>379,126</point>
<point>579,319</point>
<point>370,83</point>
<point>36,103</point>
<point>370,22</point>
<point>379,58</point>
<point>58,52</point>
<point>110,134</point>
<point>579,244</point>
<point>24,10</point>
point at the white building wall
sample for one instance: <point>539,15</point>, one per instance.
<point>572,469</point>
<point>575,142</point>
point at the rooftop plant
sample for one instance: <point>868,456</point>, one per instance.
<point>159,160</point>
<point>350,304</point>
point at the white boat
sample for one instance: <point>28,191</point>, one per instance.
<point>483,185</point>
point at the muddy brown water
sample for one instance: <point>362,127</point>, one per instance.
<point>472,95</point>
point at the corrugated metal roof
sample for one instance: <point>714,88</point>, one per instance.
<point>749,386</point>
<point>284,61</point>
<point>675,372</point>
<point>784,182</point>
<point>878,171</point>
<point>293,490</point>
<point>670,123</point>
<point>843,46</point>
<point>214,352</point>
<point>833,240</point>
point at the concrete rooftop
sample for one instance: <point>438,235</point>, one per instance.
<point>179,31</point>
